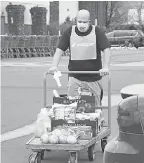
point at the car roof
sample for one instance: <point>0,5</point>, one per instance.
<point>126,30</point>
<point>123,32</point>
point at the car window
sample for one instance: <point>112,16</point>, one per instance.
<point>121,33</point>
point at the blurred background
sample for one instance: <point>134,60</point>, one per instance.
<point>57,15</point>
<point>30,29</point>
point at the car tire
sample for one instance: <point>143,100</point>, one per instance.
<point>136,46</point>
<point>130,44</point>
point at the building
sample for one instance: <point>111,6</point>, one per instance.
<point>66,8</point>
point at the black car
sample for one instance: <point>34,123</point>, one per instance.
<point>131,38</point>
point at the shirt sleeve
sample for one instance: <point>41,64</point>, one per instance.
<point>64,42</point>
<point>102,41</point>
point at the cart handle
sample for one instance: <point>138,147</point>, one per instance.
<point>81,72</point>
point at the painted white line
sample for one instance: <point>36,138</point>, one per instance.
<point>24,65</point>
<point>28,65</point>
<point>24,131</point>
<point>28,129</point>
<point>129,64</point>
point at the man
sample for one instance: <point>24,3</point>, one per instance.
<point>85,43</point>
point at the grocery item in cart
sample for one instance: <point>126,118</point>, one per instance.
<point>80,132</point>
<point>94,120</point>
<point>45,137</point>
<point>71,139</point>
<point>84,132</point>
<point>70,114</point>
<point>89,116</point>
<point>65,112</point>
<point>85,103</point>
<point>58,111</point>
<point>53,139</point>
<point>60,136</point>
<point>43,122</point>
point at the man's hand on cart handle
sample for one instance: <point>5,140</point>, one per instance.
<point>52,70</point>
<point>104,71</point>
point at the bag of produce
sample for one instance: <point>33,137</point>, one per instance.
<point>65,112</point>
<point>43,122</point>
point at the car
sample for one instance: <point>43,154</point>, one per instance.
<point>129,38</point>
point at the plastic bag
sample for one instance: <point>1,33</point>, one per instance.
<point>43,122</point>
<point>65,112</point>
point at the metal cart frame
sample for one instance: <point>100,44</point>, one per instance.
<point>83,145</point>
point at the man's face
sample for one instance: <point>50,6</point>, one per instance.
<point>83,24</point>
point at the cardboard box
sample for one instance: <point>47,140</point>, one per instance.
<point>85,103</point>
<point>93,124</point>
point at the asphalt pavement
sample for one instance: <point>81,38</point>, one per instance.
<point>15,151</point>
<point>22,98</point>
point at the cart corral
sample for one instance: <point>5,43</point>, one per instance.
<point>26,46</point>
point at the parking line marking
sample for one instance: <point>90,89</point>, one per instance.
<point>28,129</point>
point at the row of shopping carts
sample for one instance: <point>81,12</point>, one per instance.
<point>28,46</point>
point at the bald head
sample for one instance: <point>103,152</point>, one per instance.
<point>83,14</point>
<point>83,20</point>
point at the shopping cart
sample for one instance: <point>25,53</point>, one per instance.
<point>39,148</point>
<point>5,40</point>
<point>46,45</point>
<point>13,47</point>
<point>39,46</point>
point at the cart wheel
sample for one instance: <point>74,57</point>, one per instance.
<point>38,159</point>
<point>91,152</point>
<point>42,154</point>
<point>72,158</point>
<point>103,144</point>
<point>130,44</point>
<point>30,158</point>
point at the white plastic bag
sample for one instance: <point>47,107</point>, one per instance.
<point>57,76</point>
<point>43,122</point>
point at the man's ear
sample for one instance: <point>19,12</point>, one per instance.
<point>89,21</point>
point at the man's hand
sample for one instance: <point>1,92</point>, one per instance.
<point>55,62</point>
<point>104,71</point>
<point>52,70</point>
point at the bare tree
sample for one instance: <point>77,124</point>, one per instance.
<point>136,15</point>
<point>115,14</point>
<point>139,10</point>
